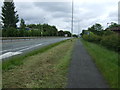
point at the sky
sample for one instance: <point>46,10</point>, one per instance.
<point>58,13</point>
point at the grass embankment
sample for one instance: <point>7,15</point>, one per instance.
<point>16,61</point>
<point>45,68</point>
<point>106,61</point>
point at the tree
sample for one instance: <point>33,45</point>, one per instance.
<point>113,25</point>
<point>61,33</point>
<point>68,33</point>
<point>9,15</point>
<point>98,27</point>
<point>22,28</point>
<point>22,24</point>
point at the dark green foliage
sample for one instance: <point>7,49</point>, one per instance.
<point>96,29</point>
<point>113,25</point>
<point>22,24</point>
<point>49,30</point>
<point>107,32</point>
<point>11,32</point>
<point>42,30</point>
<point>9,19</point>
<point>92,38</point>
<point>9,16</point>
<point>74,35</point>
<point>61,33</point>
<point>107,38</point>
<point>68,33</point>
<point>111,41</point>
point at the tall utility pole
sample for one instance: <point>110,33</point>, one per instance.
<point>119,12</point>
<point>72,17</point>
<point>78,27</point>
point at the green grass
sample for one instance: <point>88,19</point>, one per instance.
<point>42,70</point>
<point>18,60</point>
<point>106,61</point>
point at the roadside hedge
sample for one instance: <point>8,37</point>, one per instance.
<point>92,38</point>
<point>111,41</point>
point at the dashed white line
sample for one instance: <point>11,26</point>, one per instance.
<point>30,47</point>
<point>9,54</point>
<point>13,49</point>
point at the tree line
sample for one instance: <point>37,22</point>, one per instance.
<point>10,18</point>
<point>107,37</point>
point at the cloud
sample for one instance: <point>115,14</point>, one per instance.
<point>86,13</point>
<point>54,6</point>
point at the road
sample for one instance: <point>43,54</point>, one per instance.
<point>16,47</point>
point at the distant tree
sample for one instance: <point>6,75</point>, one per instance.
<point>22,24</point>
<point>22,31</point>
<point>12,32</point>
<point>9,16</point>
<point>54,31</point>
<point>9,19</point>
<point>74,35</point>
<point>113,25</point>
<point>83,32</point>
<point>68,33</point>
<point>61,33</point>
<point>98,27</point>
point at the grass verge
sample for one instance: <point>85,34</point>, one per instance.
<point>106,61</point>
<point>18,60</point>
<point>42,70</point>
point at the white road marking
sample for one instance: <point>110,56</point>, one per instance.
<point>9,54</point>
<point>30,47</point>
<point>13,49</point>
<point>19,48</point>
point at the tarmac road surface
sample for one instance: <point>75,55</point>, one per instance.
<point>16,47</point>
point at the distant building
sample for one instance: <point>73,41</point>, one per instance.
<point>115,29</point>
<point>27,28</point>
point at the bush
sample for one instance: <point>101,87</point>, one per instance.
<point>92,38</point>
<point>10,32</point>
<point>108,32</point>
<point>111,41</point>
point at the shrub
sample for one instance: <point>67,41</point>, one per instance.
<point>111,41</point>
<point>92,38</point>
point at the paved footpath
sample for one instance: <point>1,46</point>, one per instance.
<point>83,72</point>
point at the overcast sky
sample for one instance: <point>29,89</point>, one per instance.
<point>86,13</point>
